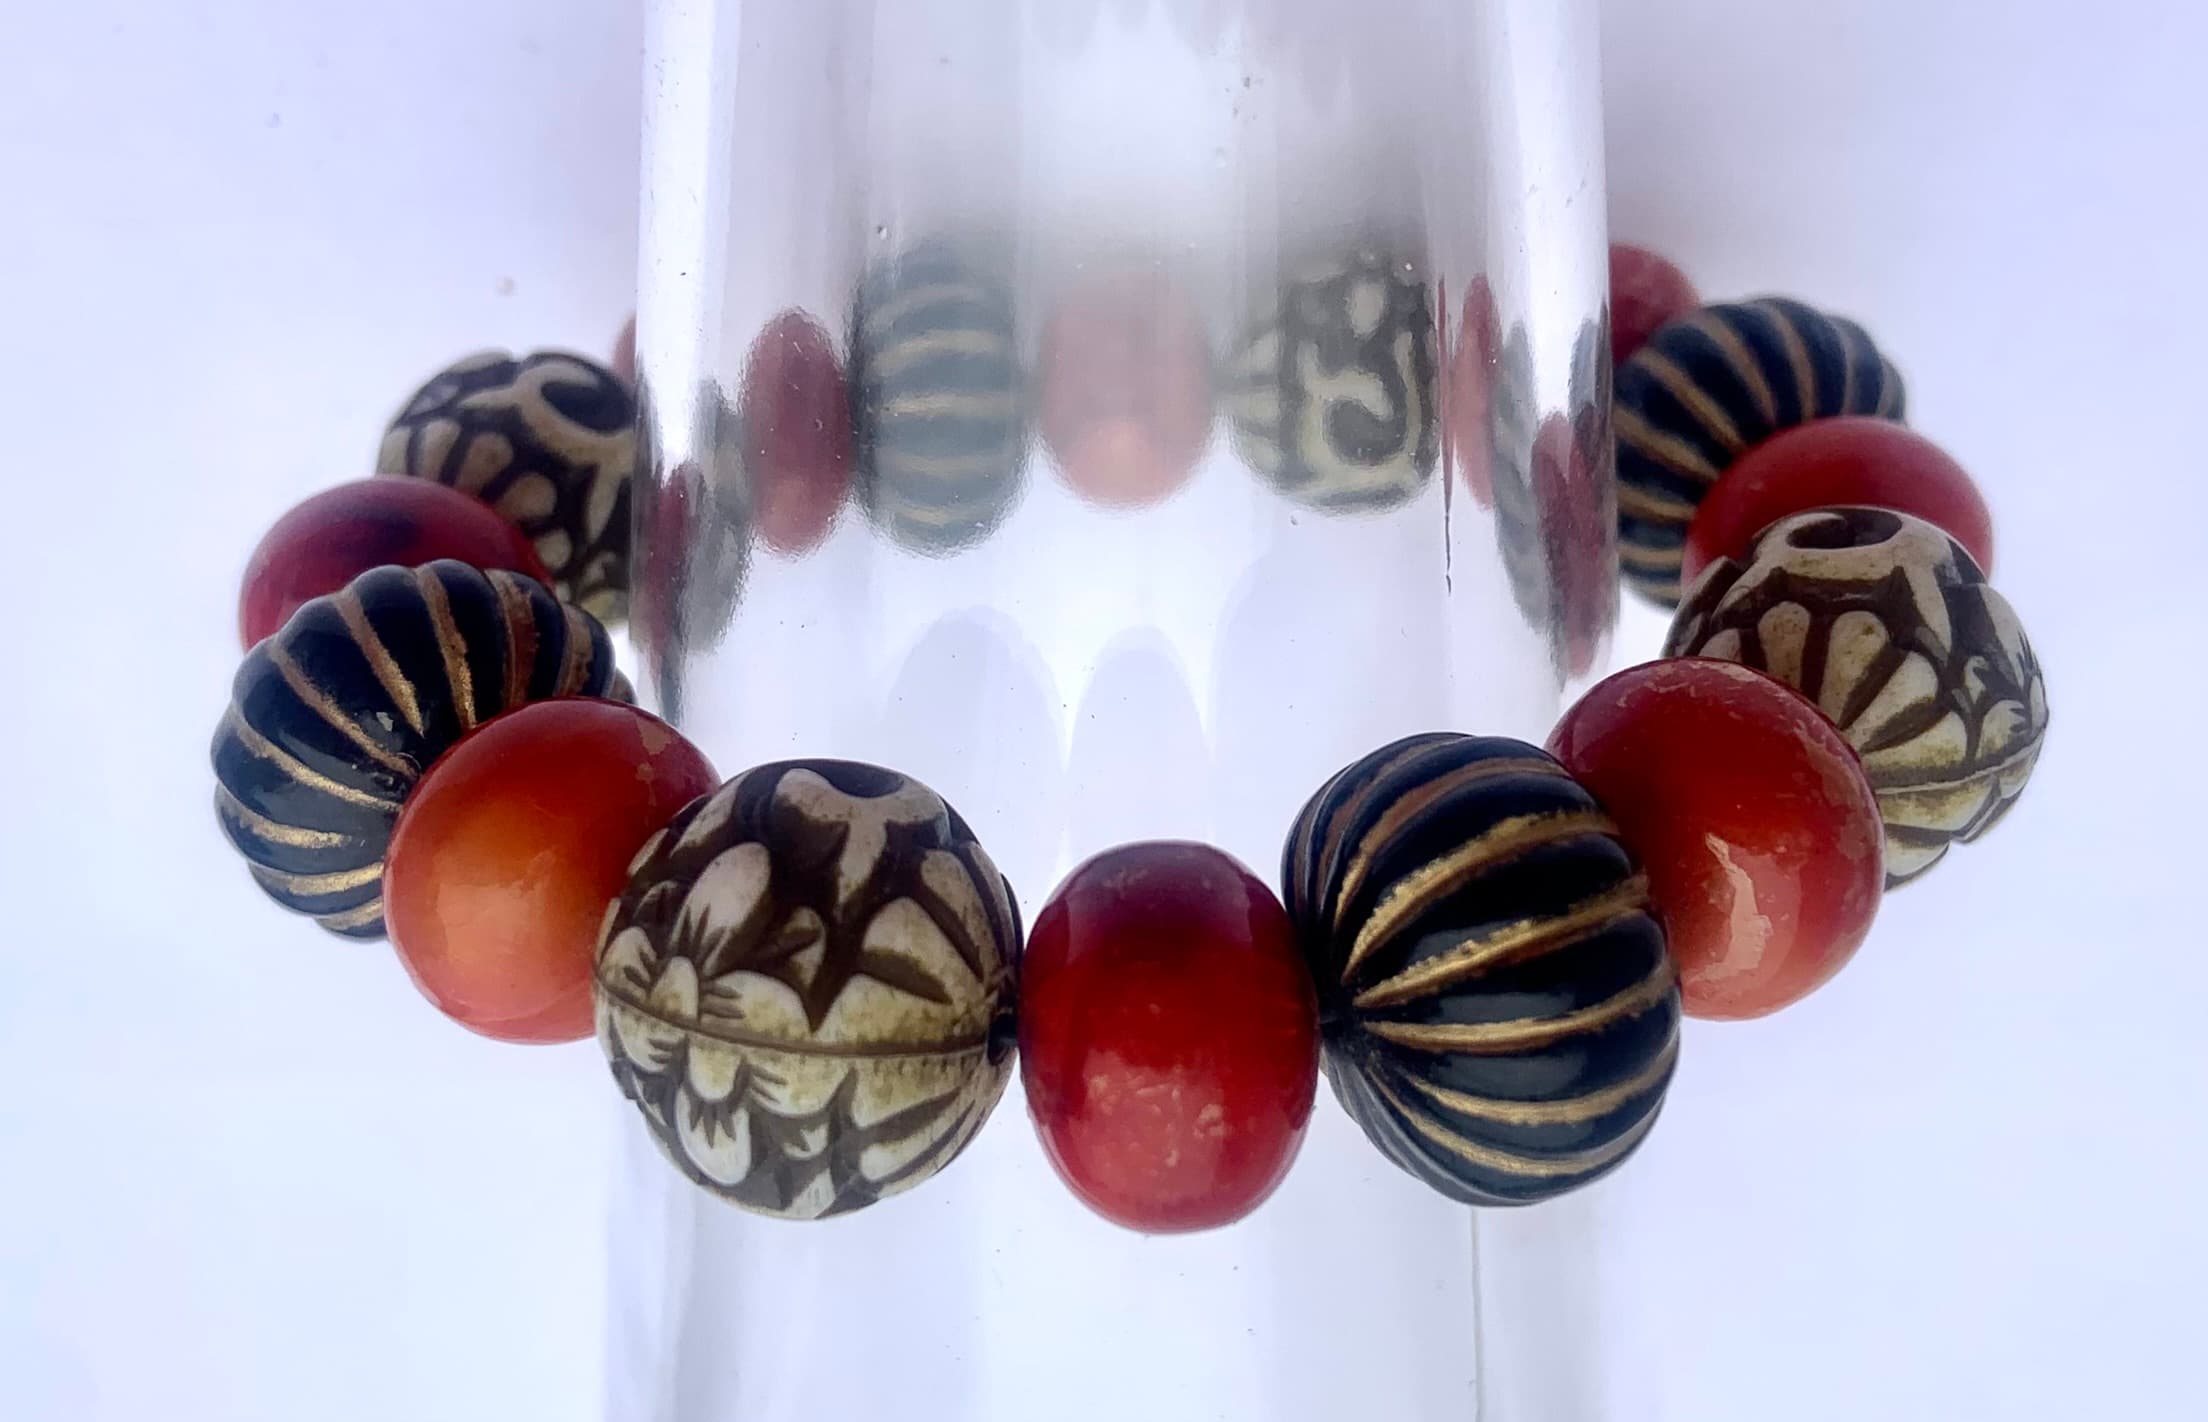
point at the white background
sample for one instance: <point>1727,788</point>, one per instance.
<point>242,1178</point>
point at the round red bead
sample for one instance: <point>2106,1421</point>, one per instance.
<point>1646,291</point>
<point>1469,392</point>
<point>796,414</point>
<point>340,533</point>
<point>1857,460</point>
<point>509,849</point>
<point>1752,817</point>
<point>1126,394</point>
<point>1168,1036</point>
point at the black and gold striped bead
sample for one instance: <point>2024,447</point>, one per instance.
<point>1500,1015</point>
<point>1332,396</point>
<point>1705,388</point>
<point>334,718</point>
<point>937,398</point>
<point>549,440</point>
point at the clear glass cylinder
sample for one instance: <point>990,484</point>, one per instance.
<point>1227,396</point>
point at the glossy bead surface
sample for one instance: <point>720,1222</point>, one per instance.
<point>795,423</point>
<point>1751,816</point>
<point>1168,1037</point>
<point>335,536</point>
<point>1887,624</point>
<point>937,398</point>
<point>1852,460</point>
<point>807,987</point>
<point>1333,395</point>
<point>1125,404</point>
<point>1709,386</point>
<point>507,853</point>
<point>1501,1018</point>
<point>1646,292</point>
<point>334,718</point>
<point>548,440</point>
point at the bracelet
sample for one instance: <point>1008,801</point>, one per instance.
<point>811,979</point>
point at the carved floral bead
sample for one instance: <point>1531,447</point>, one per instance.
<point>1888,625</point>
<point>1333,395</point>
<point>807,987</point>
<point>548,440</point>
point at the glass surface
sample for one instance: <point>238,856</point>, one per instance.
<point>1364,243</point>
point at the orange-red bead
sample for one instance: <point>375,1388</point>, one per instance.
<point>1126,395</point>
<point>1646,291</point>
<point>1169,1036</point>
<point>510,848</point>
<point>1857,460</point>
<point>796,420</point>
<point>340,533</point>
<point>1469,392</point>
<point>1752,816</point>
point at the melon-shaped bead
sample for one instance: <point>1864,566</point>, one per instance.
<point>1333,396</point>
<point>1499,1012</point>
<point>334,718</point>
<point>1887,624</point>
<point>1708,386</point>
<point>937,398</point>
<point>549,440</point>
<point>807,987</point>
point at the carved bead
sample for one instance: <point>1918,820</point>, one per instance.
<point>549,440</point>
<point>1500,1015</point>
<point>1708,386</point>
<point>334,718</point>
<point>1886,623</point>
<point>937,398</point>
<point>1333,396</point>
<point>807,987</point>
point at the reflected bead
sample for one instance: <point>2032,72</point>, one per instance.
<point>623,360</point>
<point>1500,1014</point>
<point>1332,397</point>
<point>807,987</point>
<point>506,854</point>
<point>548,440</point>
<point>1168,1037</point>
<point>1752,817</point>
<point>1706,388</point>
<point>1886,623</point>
<point>1125,405</point>
<point>335,536</point>
<point>1850,460</point>
<point>1468,424</point>
<point>1646,292</point>
<point>794,421</point>
<point>334,718</point>
<point>937,398</point>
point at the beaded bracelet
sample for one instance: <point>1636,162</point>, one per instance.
<point>811,979</point>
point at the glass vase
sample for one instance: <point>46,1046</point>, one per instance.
<point>1118,415</point>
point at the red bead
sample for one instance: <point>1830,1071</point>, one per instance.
<point>1469,394</point>
<point>1848,460</point>
<point>340,533</point>
<point>509,849</point>
<point>1646,291</point>
<point>1126,393</point>
<point>1168,1036</point>
<point>796,414</point>
<point>1751,815</point>
<point>624,352</point>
